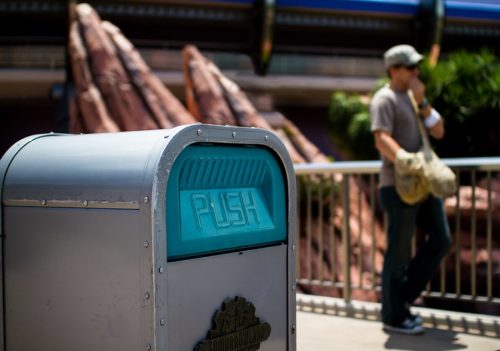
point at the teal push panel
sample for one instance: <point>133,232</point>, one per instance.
<point>223,198</point>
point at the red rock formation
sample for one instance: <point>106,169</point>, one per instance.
<point>204,95</point>
<point>122,100</point>
<point>88,111</point>
<point>116,90</point>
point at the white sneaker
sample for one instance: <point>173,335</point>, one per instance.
<point>408,327</point>
<point>415,318</point>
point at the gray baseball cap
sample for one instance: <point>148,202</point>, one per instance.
<point>404,55</point>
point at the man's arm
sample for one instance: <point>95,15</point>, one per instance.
<point>437,130</point>
<point>418,90</point>
<point>386,144</point>
<point>404,162</point>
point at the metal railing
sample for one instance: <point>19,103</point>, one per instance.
<point>341,232</point>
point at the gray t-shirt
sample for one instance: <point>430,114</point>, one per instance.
<point>392,112</point>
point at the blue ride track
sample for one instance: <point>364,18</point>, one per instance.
<point>479,10</point>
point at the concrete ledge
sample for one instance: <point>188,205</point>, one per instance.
<point>471,323</point>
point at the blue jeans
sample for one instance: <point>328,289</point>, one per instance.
<point>404,277</point>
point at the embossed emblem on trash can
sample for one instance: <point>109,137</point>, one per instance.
<point>235,328</point>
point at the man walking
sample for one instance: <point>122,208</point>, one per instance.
<point>397,138</point>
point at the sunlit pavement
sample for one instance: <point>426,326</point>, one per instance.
<point>319,332</point>
<point>326,331</point>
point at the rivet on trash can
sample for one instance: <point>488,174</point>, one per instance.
<point>266,138</point>
<point>198,132</point>
<point>147,295</point>
<point>148,346</point>
<point>293,328</point>
<point>160,269</point>
<point>44,202</point>
<point>146,199</point>
<point>146,243</point>
<point>293,247</point>
<point>294,286</point>
<point>85,203</point>
<point>162,322</point>
<point>234,135</point>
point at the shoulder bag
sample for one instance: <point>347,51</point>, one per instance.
<point>436,178</point>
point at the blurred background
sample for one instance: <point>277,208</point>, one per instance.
<point>287,55</point>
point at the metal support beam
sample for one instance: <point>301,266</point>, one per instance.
<point>264,19</point>
<point>431,25</point>
<point>346,237</point>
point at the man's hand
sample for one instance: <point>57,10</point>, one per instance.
<point>386,144</point>
<point>407,163</point>
<point>418,89</point>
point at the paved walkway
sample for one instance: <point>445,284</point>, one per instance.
<point>329,329</point>
<point>319,332</point>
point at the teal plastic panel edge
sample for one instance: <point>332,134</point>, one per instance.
<point>223,198</point>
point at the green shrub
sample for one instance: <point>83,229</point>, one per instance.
<point>465,89</point>
<point>349,126</point>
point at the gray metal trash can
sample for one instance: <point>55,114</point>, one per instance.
<point>175,240</point>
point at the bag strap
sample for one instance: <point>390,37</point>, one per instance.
<point>422,131</point>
